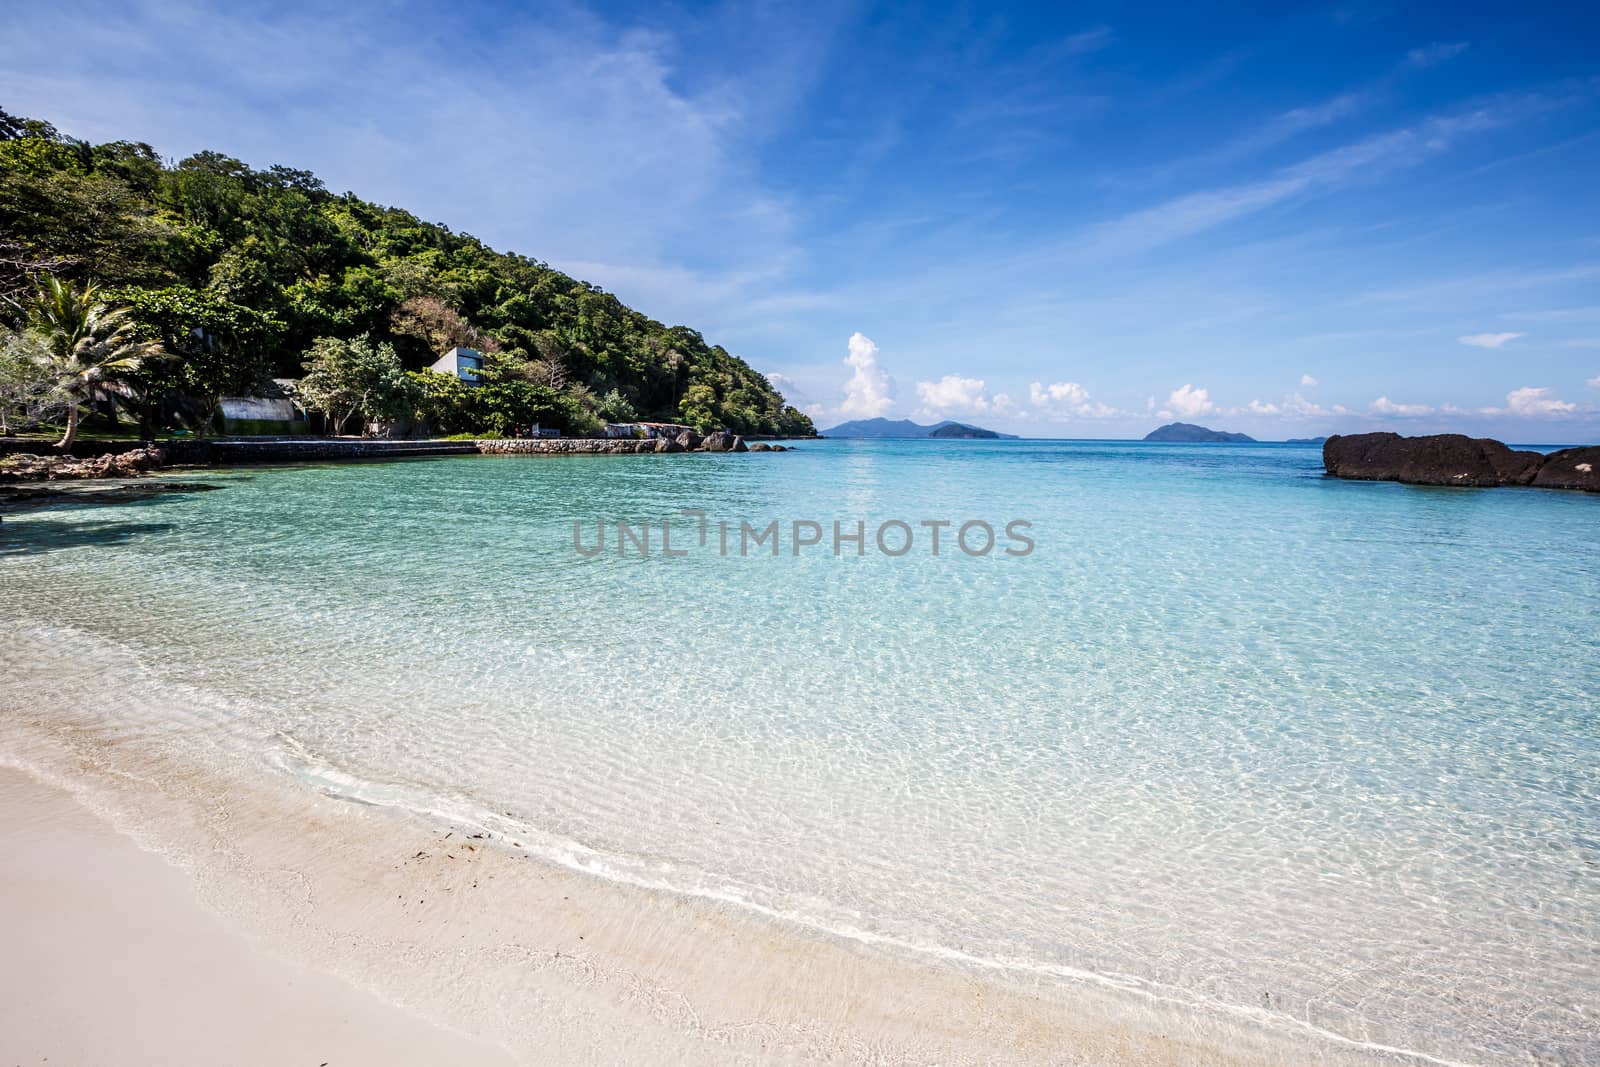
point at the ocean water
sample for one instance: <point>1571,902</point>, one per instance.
<point>1232,736</point>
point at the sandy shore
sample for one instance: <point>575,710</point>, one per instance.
<point>110,957</point>
<point>155,911</point>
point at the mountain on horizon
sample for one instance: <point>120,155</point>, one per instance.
<point>906,428</point>
<point>1189,433</point>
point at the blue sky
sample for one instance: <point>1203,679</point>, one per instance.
<point>1076,220</point>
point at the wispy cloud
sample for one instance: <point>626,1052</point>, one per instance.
<point>1384,406</point>
<point>1434,54</point>
<point>1450,291</point>
<point>1090,40</point>
<point>1366,159</point>
<point>1308,381</point>
<point>1489,340</point>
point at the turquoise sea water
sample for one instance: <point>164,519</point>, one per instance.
<point>1232,735</point>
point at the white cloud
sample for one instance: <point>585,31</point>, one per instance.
<point>1065,399</point>
<point>1384,406</point>
<point>1299,406</point>
<point>1434,54</point>
<point>1594,383</point>
<point>1532,400</point>
<point>1308,381</point>
<point>1188,401</point>
<point>1293,406</point>
<point>1002,404</point>
<point>1489,340</point>
<point>953,393</point>
<point>869,393</point>
<point>1057,393</point>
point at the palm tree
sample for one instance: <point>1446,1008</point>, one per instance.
<point>89,342</point>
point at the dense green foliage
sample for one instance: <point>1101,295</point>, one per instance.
<point>242,273</point>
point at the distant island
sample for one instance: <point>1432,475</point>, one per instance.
<point>1305,440</point>
<point>1188,433</point>
<point>907,428</point>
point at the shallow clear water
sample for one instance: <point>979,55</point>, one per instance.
<point>1233,734</point>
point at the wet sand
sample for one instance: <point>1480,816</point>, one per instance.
<point>177,915</point>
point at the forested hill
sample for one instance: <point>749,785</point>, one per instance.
<point>265,263</point>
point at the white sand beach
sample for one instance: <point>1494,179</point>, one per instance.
<point>110,957</point>
<point>191,919</point>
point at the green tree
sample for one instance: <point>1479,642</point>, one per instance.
<point>87,342</point>
<point>218,347</point>
<point>348,378</point>
<point>29,392</point>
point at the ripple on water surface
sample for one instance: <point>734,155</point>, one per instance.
<point>1234,733</point>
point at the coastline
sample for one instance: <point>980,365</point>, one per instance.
<point>548,963</point>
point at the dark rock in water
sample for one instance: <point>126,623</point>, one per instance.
<point>738,445</point>
<point>689,440</point>
<point>667,444</point>
<point>1571,468</point>
<point>780,448</point>
<point>1186,433</point>
<point>1455,459</point>
<point>721,441</point>
<point>761,446</point>
<point>1439,459</point>
<point>1512,466</point>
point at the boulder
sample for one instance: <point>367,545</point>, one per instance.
<point>721,441</point>
<point>667,444</point>
<point>738,445</point>
<point>1571,468</point>
<point>779,448</point>
<point>689,440</point>
<point>1438,459</point>
<point>1512,466</point>
<point>761,446</point>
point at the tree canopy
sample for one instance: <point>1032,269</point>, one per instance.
<point>242,273</point>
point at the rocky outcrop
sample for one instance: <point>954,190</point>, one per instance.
<point>25,467</point>
<point>723,441</point>
<point>1571,468</point>
<point>544,446</point>
<point>1458,460</point>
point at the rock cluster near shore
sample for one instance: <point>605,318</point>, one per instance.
<point>1455,459</point>
<point>26,467</point>
<point>687,441</point>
